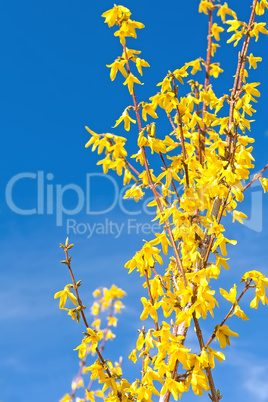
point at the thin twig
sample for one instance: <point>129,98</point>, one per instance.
<point>247,286</point>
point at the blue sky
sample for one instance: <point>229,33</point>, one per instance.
<point>54,81</point>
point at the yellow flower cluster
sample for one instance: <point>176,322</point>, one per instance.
<point>107,300</point>
<point>207,154</point>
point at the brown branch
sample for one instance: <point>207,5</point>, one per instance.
<point>150,181</point>
<point>183,149</point>
<point>247,286</point>
<point>212,238</point>
<point>226,203</point>
<point>151,300</point>
<point>202,137</point>
<point>143,357</point>
<point>172,181</point>
<point>184,152</point>
<point>255,177</point>
<point>208,369</point>
<point>239,74</point>
<point>208,60</point>
<point>68,262</point>
<point>160,278</point>
<point>132,168</point>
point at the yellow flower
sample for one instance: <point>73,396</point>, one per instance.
<point>131,79</point>
<point>134,192</point>
<point>240,313</point>
<point>231,296</point>
<point>133,356</point>
<point>148,108</point>
<point>199,382</point>
<point>176,388</point>
<point>63,294</point>
<point>116,12</point>
<point>260,6</point>
<point>237,215</point>
<point>253,61</point>
<point>195,64</point>
<point>94,337</point>
<point>223,10</point>
<point>215,30</point>
<point>212,353</point>
<point>90,396</point>
<point>223,333</point>
<point>204,6</point>
<point>82,350</point>
<point>115,66</point>
<point>126,118</point>
<point>215,70</point>
<point>257,28</point>
<point>141,63</point>
<point>221,241</point>
<point>148,309</point>
<point>251,89</point>
<point>95,309</point>
<point>264,183</point>
<point>77,383</point>
<point>112,321</point>
<point>66,398</point>
<point>128,29</point>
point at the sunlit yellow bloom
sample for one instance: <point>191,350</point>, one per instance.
<point>127,28</point>
<point>131,79</point>
<point>126,119</point>
<point>235,37</point>
<point>215,70</point>
<point>148,309</point>
<point>253,61</point>
<point>216,29</point>
<point>112,321</point>
<point>66,398</point>
<point>176,388</point>
<point>141,63</point>
<point>196,66</point>
<point>260,6</point>
<point>214,48</point>
<point>133,356</point>
<point>95,309</point>
<point>204,6</point>
<point>231,296</point>
<point>234,25</point>
<point>221,241</point>
<point>251,89</point>
<point>93,337</point>
<point>212,353</point>
<point>223,333</point>
<point>223,10</point>
<point>240,313</point>
<point>115,66</point>
<point>238,216</point>
<point>148,108</point>
<point>77,383</point>
<point>63,294</point>
<point>199,382</point>
<point>257,28</point>
<point>264,183</point>
<point>90,396</point>
<point>111,16</point>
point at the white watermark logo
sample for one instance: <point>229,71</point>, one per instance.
<point>51,198</point>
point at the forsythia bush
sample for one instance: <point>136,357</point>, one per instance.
<point>208,152</point>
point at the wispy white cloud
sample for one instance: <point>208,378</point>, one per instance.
<point>253,373</point>
<point>257,382</point>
